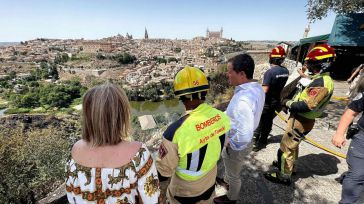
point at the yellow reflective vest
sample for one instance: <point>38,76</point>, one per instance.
<point>200,137</point>
<point>320,80</point>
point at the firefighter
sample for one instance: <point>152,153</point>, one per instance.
<point>308,103</point>
<point>191,146</point>
<point>273,82</point>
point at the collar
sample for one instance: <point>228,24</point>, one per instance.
<point>199,108</point>
<point>245,86</point>
<point>321,75</point>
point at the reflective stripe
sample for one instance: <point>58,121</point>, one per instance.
<point>191,173</point>
<point>322,57</point>
<point>276,55</point>
<point>194,160</point>
<point>319,48</point>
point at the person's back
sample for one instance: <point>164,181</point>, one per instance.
<point>273,82</point>
<point>191,146</point>
<point>124,170</point>
<point>276,77</point>
<point>104,167</point>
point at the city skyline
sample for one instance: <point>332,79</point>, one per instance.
<point>264,20</point>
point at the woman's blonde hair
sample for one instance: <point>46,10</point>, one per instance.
<point>105,115</point>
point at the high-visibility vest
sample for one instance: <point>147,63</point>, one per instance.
<point>316,112</point>
<point>200,140</point>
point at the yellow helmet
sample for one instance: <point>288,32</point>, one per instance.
<point>190,80</point>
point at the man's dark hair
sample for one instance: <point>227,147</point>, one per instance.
<point>243,62</point>
<point>199,95</point>
<point>276,60</point>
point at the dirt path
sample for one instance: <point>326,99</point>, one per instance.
<point>316,171</point>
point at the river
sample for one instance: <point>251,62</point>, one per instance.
<point>152,108</point>
<point>2,112</point>
<point>139,108</point>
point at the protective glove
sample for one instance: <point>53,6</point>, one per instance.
<point>286,105</point>
<point>284,101</point>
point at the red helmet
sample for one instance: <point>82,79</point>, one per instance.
<point>277,52</point>
<point>320,52</point>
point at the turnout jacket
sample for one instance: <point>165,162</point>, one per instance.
<point>190,149</point>
<point>311,101</point>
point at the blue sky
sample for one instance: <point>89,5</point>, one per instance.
<point>241,20</point>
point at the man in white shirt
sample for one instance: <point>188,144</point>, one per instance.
<point>244,111</point>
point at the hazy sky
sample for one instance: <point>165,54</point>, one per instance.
<point>91,19</point>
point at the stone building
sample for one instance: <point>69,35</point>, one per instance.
<point>214,34</point>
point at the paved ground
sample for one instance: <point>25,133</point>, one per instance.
<point>316,171</point>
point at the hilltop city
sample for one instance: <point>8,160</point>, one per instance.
<point>136,62</point>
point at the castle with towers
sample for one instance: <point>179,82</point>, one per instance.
<point>209,34</point>
<point>214,34</point>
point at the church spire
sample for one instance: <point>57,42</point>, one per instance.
<point>146,34</point>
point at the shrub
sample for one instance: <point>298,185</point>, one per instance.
<point>17,110</point>
<point>30,162</point>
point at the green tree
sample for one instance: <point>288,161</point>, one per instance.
<point>61,58</point>
<point>172,59</point>
<point>52,72</point>
<point>177,50</point>
<point>317,9</point>
<point>100,56</point>
<point>161,60</point>
<point>218,84</point>
<point>12,75</point>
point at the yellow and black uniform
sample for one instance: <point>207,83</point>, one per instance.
<point>306,105</point>
<point>189,153</point>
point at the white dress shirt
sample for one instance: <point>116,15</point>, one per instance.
<point>244,111</point>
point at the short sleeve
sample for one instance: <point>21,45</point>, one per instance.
<point>357,104</point>
<point>148,182</point>
<point>267,79</point>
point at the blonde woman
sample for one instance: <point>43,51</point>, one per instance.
<point>105,167</point>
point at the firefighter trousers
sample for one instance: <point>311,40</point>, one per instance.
<point>266,122</point>
<point>296,130</point>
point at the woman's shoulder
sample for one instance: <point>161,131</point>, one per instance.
<point>142,157</point>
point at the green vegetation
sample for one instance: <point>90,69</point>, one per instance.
<point>17,110</point>
<point>209,52</point>
<point>31,163</point>
<point>317,9</point>
<point>121,58</point>
<point>151,92</point>
<point>177,50</point>
<point>82,57</point>
<point>172,59</point>
<point>32,94</point>
<point>160,60</point>
<point>3,105</point>
<point>61,58</point>
<point>219,84</point>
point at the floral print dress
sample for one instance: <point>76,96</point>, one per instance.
<point>135,182</point>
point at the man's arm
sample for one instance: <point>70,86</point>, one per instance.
<point>339,139</point>
<point>167,159</point>
<point>267,80</point>
<point>353,75</point>
<point>302,71</point>
<point>316,92</point>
